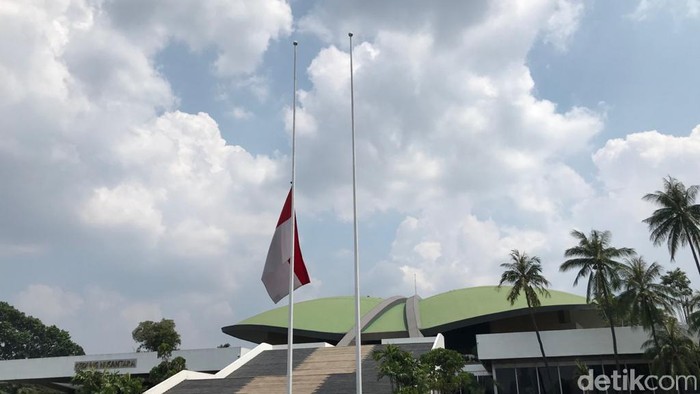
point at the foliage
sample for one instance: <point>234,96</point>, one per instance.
<point>23,336</point>
<point>524,273</point>
<point>158,337</point>
<point>98,382</point>
<point>675,354</point>
<point>438,371</point>
<point>678,286</point>
<point>645,300</point>
<point>594,258</point>
<point>165,369</point>
<point>677,221</point>
<point>401,368</point>
<point>444,371</point>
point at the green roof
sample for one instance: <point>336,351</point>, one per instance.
<point>390,321</point>
<point>336,315</point>
<point>472,302</point>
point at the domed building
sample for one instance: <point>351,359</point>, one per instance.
<point>498,338</point>
<point>459,315</point>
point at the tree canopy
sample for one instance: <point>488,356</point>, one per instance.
<point>158,337</point>
<point>23,336</point>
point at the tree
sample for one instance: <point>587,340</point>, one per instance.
<point>678,286</point>
<point>675,354</point>
<point>158,337</point>
<point>23,336</point>
<point>596,260</point>
<point>646,300</point>
<point>403,371</point>
<point>439,371</point>
<point>677,221</point>
<point>104,382</point>
<point>445,371</point>
<point>524,273</point>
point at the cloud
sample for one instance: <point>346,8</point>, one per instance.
<point>563,23</point>
<point>115,193</point>
<point>688,9</point>
<point>238,31</point>
<point>50,302</point>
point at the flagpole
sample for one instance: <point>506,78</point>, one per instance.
<point>290,329</point>
<point>358,328</point>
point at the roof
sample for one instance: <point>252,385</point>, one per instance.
<point>329,318</point>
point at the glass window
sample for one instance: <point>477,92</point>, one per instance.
<point>549,382</point>
<point>505,381</point>
<point>527,381</point>
<point>569,379</point>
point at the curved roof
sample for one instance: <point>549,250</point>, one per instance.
<point>330,318</point>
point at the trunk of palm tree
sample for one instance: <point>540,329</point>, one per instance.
<point>539,340</point>
<point>653,326</point>
<point>607,309</point>
<point>692,249</point>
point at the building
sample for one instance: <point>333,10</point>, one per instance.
<point>496,337</point>
<point>478,322</point>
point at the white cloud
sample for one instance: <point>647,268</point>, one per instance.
<point>563,23</point>
<point>239,31</point>
<point>689,9</point>
<point>49,303</point>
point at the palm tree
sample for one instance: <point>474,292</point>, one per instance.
<point>524,273</point>
<point>596,260</point>
<point>646,300</point>
<point>678,286</point>
<point>677,221</point>
<point>675,353</point>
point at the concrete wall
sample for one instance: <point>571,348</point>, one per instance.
<point>64,367</point>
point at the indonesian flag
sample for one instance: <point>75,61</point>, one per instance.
<point>276,273</point>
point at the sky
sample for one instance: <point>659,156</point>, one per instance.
<point>145,147</point>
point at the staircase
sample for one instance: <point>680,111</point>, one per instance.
<point>328,370</point>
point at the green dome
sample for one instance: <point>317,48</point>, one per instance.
<point>328,319</point>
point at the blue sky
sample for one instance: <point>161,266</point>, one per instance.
<point>145,150</point>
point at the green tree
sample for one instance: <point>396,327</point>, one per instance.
<point>677,221</point>
<point>23,336</point>
<point>645,299</point>
<point>524,273</point>
<point>105,382</point>
<point>403,371</point>
<point>678,286</point>
<point>596,260</point>
<point>439,371</point>
<point>163,338</point>
<point>165,369</point>
<point>675,354</point>
<point>444,371</point>
<point>158,337</point>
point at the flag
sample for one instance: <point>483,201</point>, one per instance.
<point>276,273</point>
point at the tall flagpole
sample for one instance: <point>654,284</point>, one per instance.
<point>358,328</point>
<point>290,329</point>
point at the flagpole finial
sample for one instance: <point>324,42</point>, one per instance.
<point>295,43</point>
<point>350,34</point>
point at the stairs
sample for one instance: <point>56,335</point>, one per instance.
<point>328,370</point>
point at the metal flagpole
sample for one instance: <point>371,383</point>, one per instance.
<point>358,328</point>
<point>290,329</point>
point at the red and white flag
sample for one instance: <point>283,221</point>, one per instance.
<point>276,273</point>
